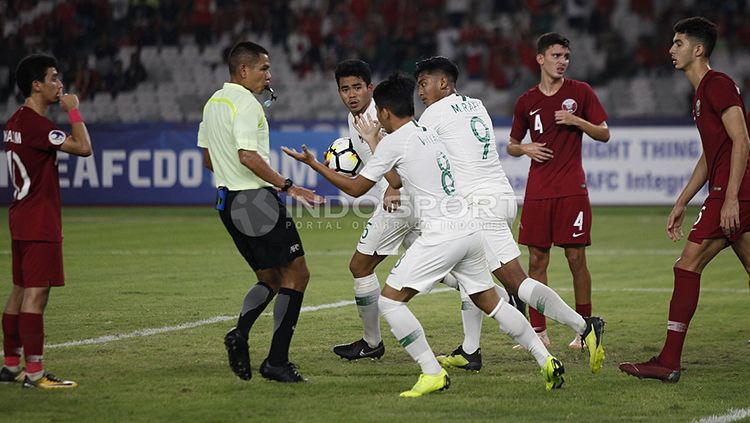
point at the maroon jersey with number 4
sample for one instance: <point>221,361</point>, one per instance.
<point>716,93</point>
<point>561,176</point>
<point>31,143</point>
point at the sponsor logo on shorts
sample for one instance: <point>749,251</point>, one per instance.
<point>576,235</point>
<point>294,248</point>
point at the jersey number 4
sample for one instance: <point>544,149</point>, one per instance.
<point>16,167</point>
<point>538,124</point>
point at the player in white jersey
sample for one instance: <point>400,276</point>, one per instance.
<point>450,241</point>
<point>466,130</point>
<point>390,226</point>
<point>385,231</point>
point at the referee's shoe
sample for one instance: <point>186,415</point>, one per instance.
<point>287,372</point>
<point>239,356</point>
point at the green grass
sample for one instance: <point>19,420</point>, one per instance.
<point>136,268</point>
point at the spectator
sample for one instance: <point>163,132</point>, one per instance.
<point>135,73</point>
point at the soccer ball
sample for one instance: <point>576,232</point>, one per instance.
<point>342,157</point>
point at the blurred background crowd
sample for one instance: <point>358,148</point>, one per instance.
<point>145,60</point>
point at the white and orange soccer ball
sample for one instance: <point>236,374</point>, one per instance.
<point>342,157</point>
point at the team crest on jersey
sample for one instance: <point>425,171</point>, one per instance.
<point>570,105</point>
<point>56,137</point>
<point>698,108</point>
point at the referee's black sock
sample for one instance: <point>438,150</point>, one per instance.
<point>285,315</point>
<point>255,302</point>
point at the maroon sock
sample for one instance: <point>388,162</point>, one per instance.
<point>538,321</point>
<point>11,339</point>
<point>584,309</point>
<point>681,309</point>
<point>31,327</point>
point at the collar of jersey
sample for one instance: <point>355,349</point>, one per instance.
<point>234,86</point>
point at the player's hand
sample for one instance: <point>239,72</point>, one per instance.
<point>391,199</point>
<point>305,196</point>
<point>674,222</point>
<point>368,127</point>
<point>69,102</point>
<point>381,134</point>
<point>730,216</point>
<point>537,151</point>
<point>564,117</point>
<point>306,156</point>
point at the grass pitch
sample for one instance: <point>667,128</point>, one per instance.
<point>130,269</point>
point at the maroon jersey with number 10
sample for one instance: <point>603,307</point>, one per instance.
<point>31,143</point>
<point>716,93</point>
<point>561,176</point>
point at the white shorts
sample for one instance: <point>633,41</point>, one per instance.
<point>496,215</point>
<point>385,232</point>
<point>422,265</point>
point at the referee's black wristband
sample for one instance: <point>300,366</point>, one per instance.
<point>288,183</point>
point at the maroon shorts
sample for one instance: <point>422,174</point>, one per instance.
<point>37,264</point>
<point>708,223</point>
<point>559,221</point>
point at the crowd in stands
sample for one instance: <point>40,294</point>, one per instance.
<point>492,40</point>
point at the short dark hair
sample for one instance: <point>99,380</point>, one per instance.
<point>354,67</point>
<point>246,52</point>
<point>550,39</point>
<point>33,68</point>
<point>699,28</point>
<point>437,64</point>
<point>396,94</point>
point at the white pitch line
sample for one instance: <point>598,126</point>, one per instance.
<point>732,415</point>
<point>190,325</point>
<point>306,309</point>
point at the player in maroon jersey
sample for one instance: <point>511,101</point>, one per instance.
<point>724,218</point>
<point>556,208</point>
<point>31,143</point>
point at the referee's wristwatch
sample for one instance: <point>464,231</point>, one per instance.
<point>288,183</point>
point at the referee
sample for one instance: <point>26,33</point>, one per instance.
<point>234,139</point>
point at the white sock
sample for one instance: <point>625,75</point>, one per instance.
<point>366,294</point>
<point>471,316</point>
<point>513,323</point>
<point>547,302</point>
<point>410,335</point>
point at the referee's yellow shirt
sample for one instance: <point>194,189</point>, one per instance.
<point>234,120</point>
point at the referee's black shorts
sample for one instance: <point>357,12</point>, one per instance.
<point>277,247</point>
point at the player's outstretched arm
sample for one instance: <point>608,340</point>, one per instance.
<point>79,143</point>
<point>537,151</point>
<point>355,186</point>
<point>695,183</point>
<point>253,161</point>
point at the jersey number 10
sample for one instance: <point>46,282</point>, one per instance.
<point>15,164</point>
